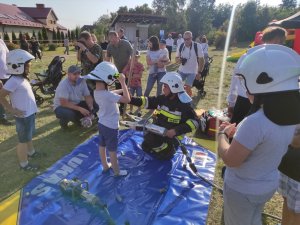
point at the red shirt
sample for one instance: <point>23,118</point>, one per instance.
<point>137,72</point>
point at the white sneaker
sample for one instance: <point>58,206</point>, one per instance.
<point>121,173</point>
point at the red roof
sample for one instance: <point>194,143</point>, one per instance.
<point>12,15</point>
<point>37,13</point>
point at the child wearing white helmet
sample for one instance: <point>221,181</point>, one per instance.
<point>173,112</point>
<point>22,104</point>
<point>270,75</point>
<point>105,74</point>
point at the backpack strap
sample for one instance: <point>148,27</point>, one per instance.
<point>196,51</point>
<point>180,48</point>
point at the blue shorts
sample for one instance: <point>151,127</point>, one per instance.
<point>108,137</point>
<point>25,128</point>
<point>137,90</point>
<point>188,78</point>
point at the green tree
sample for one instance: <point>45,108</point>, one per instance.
<point>247,22</point>
<point>221,13</point>
<point>54,37</point>
<point>44,35</point>
<point>289,4</point>
<point>77,32</point>
<point>40,36</point>
<point>200,16</point>
<point>102,25</point>
<point>6,37</point>
<point>143,9</point>
<point>62,35</point>
<point>69,34</point>
<point>20,35</point>
<point>14,38</point>
<point>33,34</point>
<point>58,36</point>
<point>72,35</point>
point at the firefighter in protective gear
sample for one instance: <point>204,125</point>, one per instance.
<point>173,112</point>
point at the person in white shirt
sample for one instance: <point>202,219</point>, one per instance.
<point>170,43</point>
<point>22,104</point>
<point>3,78</point>
<point>179,40</point>
<point>191,58</point>
<point>204,46</point>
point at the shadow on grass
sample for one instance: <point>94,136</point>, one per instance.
<point>51,141</point>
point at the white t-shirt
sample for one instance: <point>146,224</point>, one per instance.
<point>3,68</point>
<point>204,47</point>
<point>170,42</point>
<point>155,56</point>
<point>108,113</point>
<point>21,95</point>
<point>191,66</point>
<point>179,42</point>
<point>236,88</point>
<point>267,142</point>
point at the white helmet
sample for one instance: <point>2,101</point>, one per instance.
<point>175,83</point>
<point>270,68</point>
<point>16,60</point>
<point>104,71</point>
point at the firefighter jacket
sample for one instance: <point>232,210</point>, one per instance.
<point>170,112</point>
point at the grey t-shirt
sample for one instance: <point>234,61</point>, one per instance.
<point>120,53</point>
<point>73,93</point>
<point>267,142</point>
<point>108,113</point>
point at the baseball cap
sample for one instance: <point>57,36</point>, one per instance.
<point>163,41</point>
<point>74,69</point>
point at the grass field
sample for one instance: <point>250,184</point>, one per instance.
<point>55,143</point>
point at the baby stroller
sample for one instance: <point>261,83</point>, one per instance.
<point>49,80</point>
<point>199,84</point>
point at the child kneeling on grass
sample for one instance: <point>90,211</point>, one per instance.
<point>105,74</point>
<point>23,105</point>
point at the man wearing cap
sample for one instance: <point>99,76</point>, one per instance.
<point>72,99</point>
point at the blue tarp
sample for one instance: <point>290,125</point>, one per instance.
<point>154,192</point>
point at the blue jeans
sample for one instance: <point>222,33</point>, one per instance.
<point>151,81</point>
<point>66,115</point>
<point>25,128</point>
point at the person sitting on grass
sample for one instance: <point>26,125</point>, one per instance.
<point>173,112</point>
<point>135,85</point>
<point>105,75</point>
<point>72,100</point>
<point>22,104</point>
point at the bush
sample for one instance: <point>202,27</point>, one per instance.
<point>12,46</point>
<point>42,47</point>
<point>220,38</point>
<point>52,47</point>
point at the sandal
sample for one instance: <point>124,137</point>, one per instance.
<point>29,167</point>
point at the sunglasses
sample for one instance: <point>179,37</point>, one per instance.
<point>187,39</point>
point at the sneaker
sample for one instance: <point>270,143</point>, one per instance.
<point>29,167</point>
<point>5,122</point>
<point>63,126</point>
<point>139,114</point>
<point>121,173</point>
<point>36,155</point>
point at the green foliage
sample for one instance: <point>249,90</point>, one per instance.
<point>289,4</point>
<point>220,38</point>
<point>77,32</point>
<point>69,34</point>
<point>20,35</point>
<point>14,38</point>
<point>42,47</point>
<point>40,36</point>
<point>54,37</point>
<point>6,37</point>
<point>44,35</point>
<point>52,47</point>
<point>221,13</point>
<point>62,35</point>
<point>12,46</point>
<point>102,25</point>
<point>33,34</point>
<point>72,35</point>
<point>58,36</point>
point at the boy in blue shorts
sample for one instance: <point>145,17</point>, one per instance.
<point>105,74</point>
<point>23,105</point>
